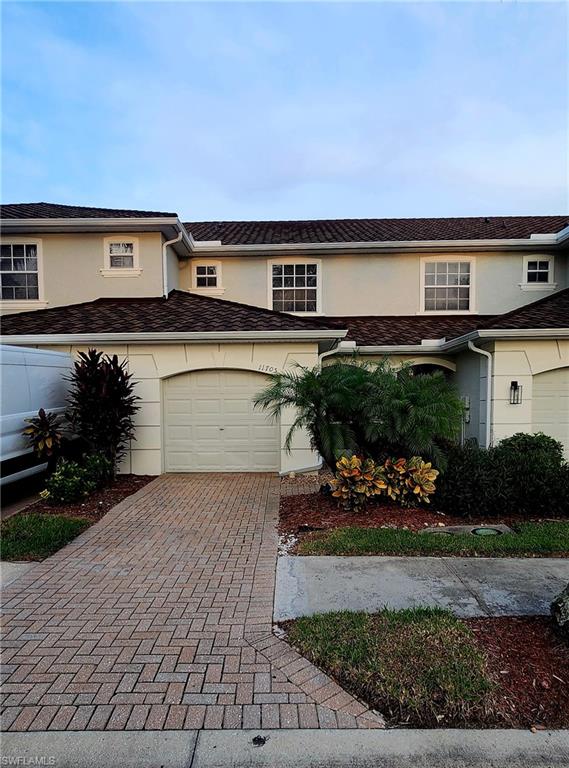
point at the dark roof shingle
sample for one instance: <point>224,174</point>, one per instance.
<point>549,312</point>
<point>392,330</point>
<point>375,230</point>
<point>56,211</point>
<point>180,312</point>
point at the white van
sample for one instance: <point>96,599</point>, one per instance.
<point>30,379</point>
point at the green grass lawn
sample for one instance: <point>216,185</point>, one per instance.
<point>420,667</point>
<point>530,539</point>
<point>35,537</point>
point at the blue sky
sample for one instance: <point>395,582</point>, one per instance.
<point>292,110</point>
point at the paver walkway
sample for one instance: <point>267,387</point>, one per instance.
<point>159,617</point>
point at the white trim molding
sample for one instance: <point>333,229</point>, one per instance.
<point>109,271</point>
<point>173,337</point>
<point>424,260</point>
<point>296,260</point>
<point>549,285</point>
<point>218,290</point>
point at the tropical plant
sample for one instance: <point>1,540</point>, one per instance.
<point>409,481</point>
<point>98,468</point>
<point>356,480</point>
<point>44,435</point>
<point>69,483</point>
<point>368,409</point>
<point>102,404</point>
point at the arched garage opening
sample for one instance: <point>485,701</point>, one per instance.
<point>210,424</point>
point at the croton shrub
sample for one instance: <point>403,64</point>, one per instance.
<point>404,481</point>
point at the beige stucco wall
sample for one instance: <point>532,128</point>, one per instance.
<point>151,364</point>
<point>520,361</point>
<point>70,268</point>
<point>385,284</point>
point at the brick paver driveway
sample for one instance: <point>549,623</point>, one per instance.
<point>159,616</point>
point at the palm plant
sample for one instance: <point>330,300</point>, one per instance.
<point>410,415</point>
<point>323,403</point>
<point>366,408</point>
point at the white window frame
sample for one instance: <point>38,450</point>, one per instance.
<point>448,258</point>
<point>22,305</point>
<point>107,270</point>
<point>219,290</point>
<point>550,285</point>
<point>295,260</point>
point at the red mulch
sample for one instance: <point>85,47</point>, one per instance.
<point>530,662</point>
<point>322,512</point>
<point>304,513</point>
<point>95,506</point>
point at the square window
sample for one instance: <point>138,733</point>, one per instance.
<point>206,276</point>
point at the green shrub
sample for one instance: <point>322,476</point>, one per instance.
<point>99,469</point>
<point>68,484</point>
<point>524,476</point>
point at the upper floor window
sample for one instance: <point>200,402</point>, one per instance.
<point>19,273</point>
<point>538,273</point>
<point>447,286</point>
<point>121,257</point>
<point>295,287</point>
<point>206,277</point>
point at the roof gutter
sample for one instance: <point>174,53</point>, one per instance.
<point>399,246</point>
<point>169,337</point>
<point>454,345</point>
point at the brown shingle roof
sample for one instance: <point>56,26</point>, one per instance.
<point>390,330</point>
<point>188,312</point>
<point>379,230</point>
<point>56,211</point>
<point>180,312</point>
<point>549,312</point>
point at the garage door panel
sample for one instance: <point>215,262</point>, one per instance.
<point>210,424</point>
<point>550,405</point>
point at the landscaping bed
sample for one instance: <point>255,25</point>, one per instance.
<point>426,668</point>
<point>314,524</point>
<point>41,529</point>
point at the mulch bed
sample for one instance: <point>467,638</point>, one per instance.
<point>530,664</point>
<point>97,504</point>
<point>303,513</point>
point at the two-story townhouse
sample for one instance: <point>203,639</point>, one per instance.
<point>203,311</point>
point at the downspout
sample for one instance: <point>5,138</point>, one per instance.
<point>488,357</point>
<point>342,346</point>
<point>165,262</point>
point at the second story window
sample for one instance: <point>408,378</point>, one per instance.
<point>294,287</point>
<point>447,286</point>
<point>121,257</point>
<point>206,276</point>
<point>19,271</point>
<point>538,271</point>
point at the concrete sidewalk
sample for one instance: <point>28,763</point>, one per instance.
<point>465,585</point>
<point>291,749</point>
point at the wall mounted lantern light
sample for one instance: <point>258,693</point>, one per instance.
<point>515,393</point>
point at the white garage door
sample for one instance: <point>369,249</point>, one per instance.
<point>210,424</point>
<point>550,406</point>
